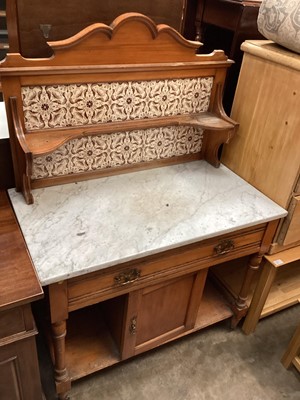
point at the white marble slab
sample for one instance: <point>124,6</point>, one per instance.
<point>3,122</point>
<point>78,228</point>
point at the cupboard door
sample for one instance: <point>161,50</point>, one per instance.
<point>161,312</point>
<point>19,370</point>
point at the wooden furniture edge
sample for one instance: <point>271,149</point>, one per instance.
<point>257,48</point>
<point>292,351</point>
<point>266,279</point>
<point>10,235</point>
<point>286,256</point>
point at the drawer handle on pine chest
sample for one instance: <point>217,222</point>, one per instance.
<point>224,247</point>
<point>126,277</point>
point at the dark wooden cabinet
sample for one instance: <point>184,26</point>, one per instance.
<point>3,30</point>
<point>3,35</point>
<point>19,371</point>
<point>19,286</point>
<point>226,24</point>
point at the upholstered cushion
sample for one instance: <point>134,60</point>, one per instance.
<point>279,20</point>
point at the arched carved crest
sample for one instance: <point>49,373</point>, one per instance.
<point>132,38</point>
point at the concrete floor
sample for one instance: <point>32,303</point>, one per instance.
<point>213,364</point>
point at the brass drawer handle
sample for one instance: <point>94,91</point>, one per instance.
<point>224,247</point>
<point>132,326</point>
<point>126,277</point>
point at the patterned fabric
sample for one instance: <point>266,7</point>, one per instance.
<point>279,20</point>
<point>92,103</point>
<point>122,148</point>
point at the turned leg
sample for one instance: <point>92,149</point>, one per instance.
<point>62,381</point>
<point>240,307</point>
<point>260,295</point>
<point>58,299</point>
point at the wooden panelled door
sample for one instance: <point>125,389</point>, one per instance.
<point>161,312</point>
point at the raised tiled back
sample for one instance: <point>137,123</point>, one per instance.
<point>72,105</point>
<point>64,106</point>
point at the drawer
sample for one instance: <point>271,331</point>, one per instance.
<point>113,281</point>
<point>290,230</point>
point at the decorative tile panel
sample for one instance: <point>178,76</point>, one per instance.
<point>59,106</point>
<point>93,153</point>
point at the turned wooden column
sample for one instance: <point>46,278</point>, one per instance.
<point>240,307</point>
<point>58,335</point>
<point>253,266</point>
<point>59,314</point>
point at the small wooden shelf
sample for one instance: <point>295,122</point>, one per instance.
<point>230,276</point>
<point>47,140</point>
<point>89,345</point>
<point>284,292</point>
<point>213,308</point>
<point>2,13</point>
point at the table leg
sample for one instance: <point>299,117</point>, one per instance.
<point>58,300</point>
<point>240,307</point>
<point>62,381</point>
<point>260,295</point>
<point>292,350</point>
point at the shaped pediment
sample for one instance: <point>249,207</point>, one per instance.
<point>131,38</point>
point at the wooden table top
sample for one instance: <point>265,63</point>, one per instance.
<point>18,280</point>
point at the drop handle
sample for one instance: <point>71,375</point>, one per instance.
<point>224,247</point>
<point>128,276</point>
<point>132,326</point>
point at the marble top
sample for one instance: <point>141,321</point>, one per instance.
<point>3,122</point>
<point>82,227</point>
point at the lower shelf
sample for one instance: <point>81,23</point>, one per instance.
<point>90,346</point>
<point>284,292</point>
<point>213,308</point>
